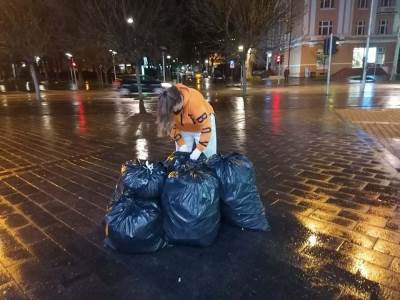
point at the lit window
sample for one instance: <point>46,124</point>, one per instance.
<point>382,27</point>
<point>327,3</point>
<point>360,27</point>
<point>362,4</point>
<point>325,27</point>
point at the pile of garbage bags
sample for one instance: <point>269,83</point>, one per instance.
<point>182,202</point>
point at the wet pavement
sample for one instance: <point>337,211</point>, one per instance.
<point>331,192</point>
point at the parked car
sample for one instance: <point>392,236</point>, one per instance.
<point>129,85</point>
<point>356,79</point>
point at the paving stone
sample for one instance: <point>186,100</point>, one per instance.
<point>15,220</point>
<point>349,235</point>
<point>40,198</point>
<point>395,266</point>
<point>4,277</point>
<point>361,217</point>
<point>348,204</point>
<point>11,292</point>
<point>319,214</point>
<point>15,198</point>
<point>350,183</point>
<point>335,194</point>
<point>385,234</point>
<point>387,247</point>
<point>365,254</point>
<point>29,234</point>
<point>273,196</point>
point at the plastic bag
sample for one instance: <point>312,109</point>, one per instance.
<point>241,203</point>
<point>190,204</point>
<point>134,226</point>
<point>177,159</point>
<point>140,179</point>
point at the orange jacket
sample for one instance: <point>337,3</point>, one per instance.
<point>194,117</point>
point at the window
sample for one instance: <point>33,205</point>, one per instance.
<point>327,4</point>
<point>380,56</point>
<point>382,27</point>
<point>387,3</point>
<point>362,4</point>
<point>358,56</point>
<point>325,27</point>
<point>360,27</point>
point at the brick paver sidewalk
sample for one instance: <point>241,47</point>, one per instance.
<point>383,124</point>
<point>331,198</point>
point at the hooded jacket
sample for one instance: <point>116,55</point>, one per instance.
<point>194,117</point>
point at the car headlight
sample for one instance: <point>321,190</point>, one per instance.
<point>166,85</point>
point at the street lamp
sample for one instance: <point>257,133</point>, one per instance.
<point>129,20</point>
<point>163,49</point>
<point>242,68</point>
<point>113,53</point>
<point>72,70</point>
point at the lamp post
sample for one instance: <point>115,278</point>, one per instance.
<point>169,66</point>
<point>242,69</point>
<point>163,49</point>
<point>72,70</point>
<point>113,53</point>
<point>206,63</point>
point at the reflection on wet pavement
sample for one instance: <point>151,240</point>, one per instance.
<point>330,194</point>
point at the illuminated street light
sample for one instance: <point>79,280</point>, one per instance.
<point>206,61</point>
<point>69,55</point>
<point>129,20</point>
<point>241,48</point>
<point>113,53</point>
<point>168,56</point>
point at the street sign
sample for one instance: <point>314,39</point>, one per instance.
<point>232,64</point>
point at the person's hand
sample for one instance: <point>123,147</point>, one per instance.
<point>195,154</point>
<point>183,148</point>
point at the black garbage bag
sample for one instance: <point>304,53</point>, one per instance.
<point>134,226</point>
<point>190,204</point>
<point>241,203</point>
<point>177,159</point>
<point>140,179</point>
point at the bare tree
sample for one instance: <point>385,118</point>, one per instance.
<point>132,28</point>
<point>225,24</point>
<point>25,29</point>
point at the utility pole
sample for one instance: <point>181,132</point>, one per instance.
<point>290,34</point>
<point>371,15</point>
<point>163,49</point>
<point>328,78</point>
<point>396,56</point>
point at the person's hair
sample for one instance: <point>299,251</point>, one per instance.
<point>166,103</point>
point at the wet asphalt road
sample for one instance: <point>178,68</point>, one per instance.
<point>330,188</point>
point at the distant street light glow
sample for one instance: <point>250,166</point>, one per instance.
<point>241,48</point>
<point>129,20</point>
<point>168,56</point>
<point>69,55</point>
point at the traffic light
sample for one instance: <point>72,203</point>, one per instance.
<point>327,45</point>
<point>279,59</point>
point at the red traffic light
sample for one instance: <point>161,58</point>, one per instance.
<point>278,59</point>
<point>73,64</point>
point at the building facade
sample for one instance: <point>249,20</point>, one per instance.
<point>314,20</point>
